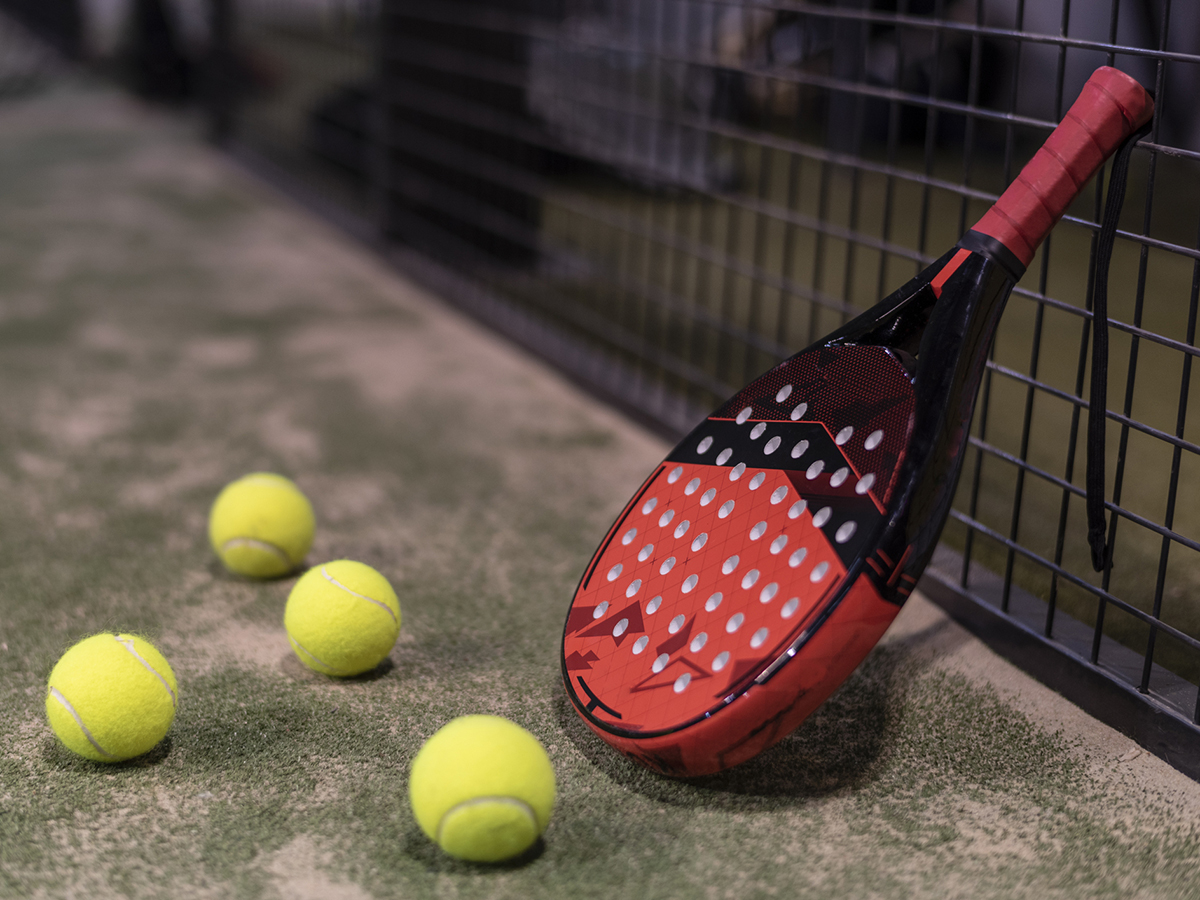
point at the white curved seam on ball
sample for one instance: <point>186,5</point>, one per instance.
<point>127,643</point>
<point>258,545</point>
<point>320,662</point>
<point>479,801</point>
<point>378,603</point>
<point>54,692</point>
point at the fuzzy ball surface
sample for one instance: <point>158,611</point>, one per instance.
<point>482,788</point>
<point>261,525</point>
<point>342,618</point>
<point>111,697</point>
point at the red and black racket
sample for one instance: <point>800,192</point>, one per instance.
<point>763,559</point>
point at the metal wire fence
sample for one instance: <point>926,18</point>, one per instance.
<point>666,197</point>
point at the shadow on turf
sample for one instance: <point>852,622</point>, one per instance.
<point>425,852</point>
<point>297,671</point>
<point>59,757</point>
<point>838,747</point>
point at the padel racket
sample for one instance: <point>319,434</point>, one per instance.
<point>763,559</point>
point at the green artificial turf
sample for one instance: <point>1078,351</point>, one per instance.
<point>167,325</point>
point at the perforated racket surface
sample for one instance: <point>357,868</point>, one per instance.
<point>764,558</point>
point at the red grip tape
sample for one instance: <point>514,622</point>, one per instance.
<point>1110,108</point>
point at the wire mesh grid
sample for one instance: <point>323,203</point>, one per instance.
<point>300,76</point>
<point>667,197</point>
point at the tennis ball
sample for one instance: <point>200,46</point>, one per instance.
<point>111,697</point>
<point>261,525</point>
<point>342,618</point>
<point>482,788</point>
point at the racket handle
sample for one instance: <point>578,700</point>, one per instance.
<point>1111,107</point>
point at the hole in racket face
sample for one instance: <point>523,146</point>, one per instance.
<point>772,534</point>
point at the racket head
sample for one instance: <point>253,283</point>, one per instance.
<point>765,556</point>
<point>742,585</point>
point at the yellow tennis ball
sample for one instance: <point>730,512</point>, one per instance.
<point>342,618</point>
<point>482,788</point>
<point>261,525</point>
<point>111,697</point>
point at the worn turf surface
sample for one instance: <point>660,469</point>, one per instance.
<point>167,325</point>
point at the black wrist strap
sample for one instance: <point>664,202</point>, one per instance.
<point>1098,400</point>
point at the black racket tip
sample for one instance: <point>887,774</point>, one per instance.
<point>1100,549</point>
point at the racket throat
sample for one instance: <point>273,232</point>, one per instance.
<point>951,362</point>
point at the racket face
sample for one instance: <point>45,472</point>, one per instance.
<point>741,542</point>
